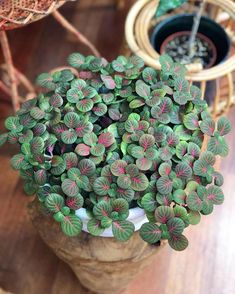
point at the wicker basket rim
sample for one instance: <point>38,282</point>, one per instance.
<point>202,75</point>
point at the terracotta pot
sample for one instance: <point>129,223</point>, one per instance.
<point>103,265</point>
<point>208,29</point>
<point>187,33</point>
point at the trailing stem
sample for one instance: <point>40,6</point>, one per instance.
<point>195,27</point>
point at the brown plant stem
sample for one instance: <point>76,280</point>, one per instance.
<point>25,81</point>
<point>10,69</point>
<point>196,23</point>
<point>68,26</point>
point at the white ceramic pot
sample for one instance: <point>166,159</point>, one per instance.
<point>136,215</point>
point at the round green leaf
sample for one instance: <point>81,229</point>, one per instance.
<point>17,161</point>
<point>94,227</point>
<point>149,75</point>
<point>124,181</point>
<point>123,230</point>
<point>194,217</point>
<point>118,66</point>
<point>56,100</point>
<point>68,137</point>
<point>180,212</point>
<point>223,126</point>
<point>179,196</point>
<point>121,207</point>
<point>86,167</point>
<point>54,202</point>
<point>71,119</point>
<point>181,98</point>
<point>108,81</point>
<point>76,59</point>
<point>150,233</point>
<point>27,121</point>
<point>118,167</point>
<point>37,145</point>
<point>175,226</point>
<point>97,150</point>
<point>71,160</point>
<point>191,121</point>
<point>102,210</point>
<point>195,92</point>
<point>194,202</point>
<point>178,242</point>
<point>101,186</point>
<point>181,149</point>
<point>127,194</point>
<point>75,202</point>
<point>85,105</point>
<point>58,216</point>
<point>139,182</point>
<point>165,153</point>
<point>183,170</point>
<point>147,141</point>
<point>136,103</point>
<point>46,80</point>
<point>100,109</point>
<point>106,139</point>
<point>144,164</point>
<point>71,225</point>
<point>131,125</point>
<point>73,95</point>
<point>181,84</point>
<point>194,150</point>
<point>37,113</point>
<point>40,177</point>
<point>215,195</point>
<point>149,202</point>
<point>142,89</point>
<point>207,126</point>
<point>82,149</point>
<point>164,169</point>
<point>70,188</point>
<point>12,123</point>
<point>200,167</point>
<point>163,214</point>
<point>164,185</point>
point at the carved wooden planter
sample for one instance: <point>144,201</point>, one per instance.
<point>103,265</point>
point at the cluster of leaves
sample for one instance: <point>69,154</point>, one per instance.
<point>164,6</point>
<point>121,135</point>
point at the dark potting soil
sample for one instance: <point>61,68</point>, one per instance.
<point>178,49</point>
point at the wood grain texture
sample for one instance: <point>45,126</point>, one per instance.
<point>27,265</point>
<point>103,265</point>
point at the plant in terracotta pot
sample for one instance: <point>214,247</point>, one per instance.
<point>117,149</point>
<point>190,38</point>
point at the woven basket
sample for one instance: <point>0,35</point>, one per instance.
<point>17,13</point>
<point>140,21</point>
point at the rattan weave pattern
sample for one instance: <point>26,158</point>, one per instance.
<point>17,13</point>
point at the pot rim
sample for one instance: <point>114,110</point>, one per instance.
<point>169,19</point>
<point>202,36</point>
<point>136,215</point>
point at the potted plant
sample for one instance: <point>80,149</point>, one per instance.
<point>118,149</point>
<point>149,35</point>
<point>190,38</point>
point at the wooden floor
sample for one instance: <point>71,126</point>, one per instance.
<point>27,266</point>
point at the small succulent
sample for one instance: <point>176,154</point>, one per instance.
<point>118,136</point>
